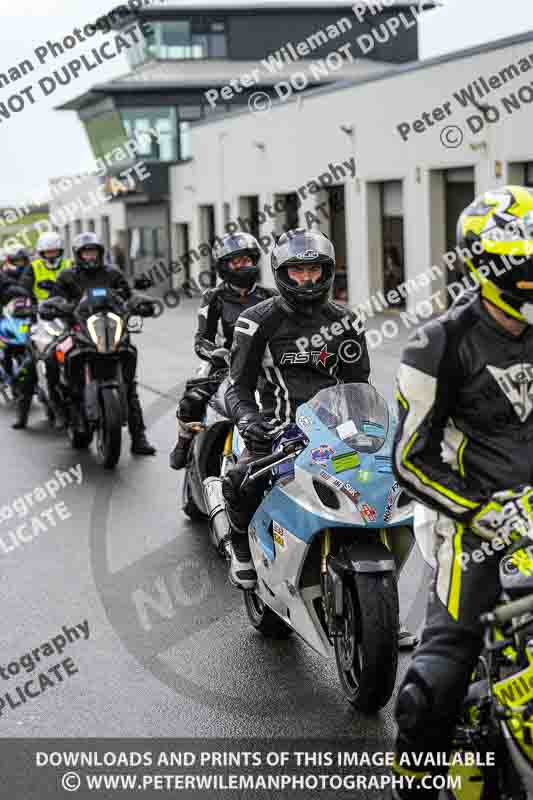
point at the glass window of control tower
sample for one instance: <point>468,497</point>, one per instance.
<point>158,146</point>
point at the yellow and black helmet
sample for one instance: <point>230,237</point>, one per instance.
<point>495,237</point>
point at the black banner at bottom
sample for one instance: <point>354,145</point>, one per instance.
<point>196,769</point>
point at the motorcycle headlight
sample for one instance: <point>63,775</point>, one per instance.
<point>105,331</point>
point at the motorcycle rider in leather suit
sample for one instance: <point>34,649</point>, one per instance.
<point>236,259</point>
<point>16,262</point>
<point>464,447</point>
<point>90,272</point>
<point>266,356</point>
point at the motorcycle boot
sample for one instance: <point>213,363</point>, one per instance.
<point>242,572</point>
<point>23,411</point>
<point>140,446</point>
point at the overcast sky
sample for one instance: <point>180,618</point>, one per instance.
<point>39,143</point>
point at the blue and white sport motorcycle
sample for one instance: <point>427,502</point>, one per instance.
<point>15,355</point>
<point>330,537</point>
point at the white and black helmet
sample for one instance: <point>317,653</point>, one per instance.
<point>295,248</point>
<point>88,240</point>
<point>234,245</point>
<point>51,241</point>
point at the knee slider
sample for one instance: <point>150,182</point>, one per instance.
<point>191,408</point>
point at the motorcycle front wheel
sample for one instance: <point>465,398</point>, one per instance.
<point>109,434</point>
<point>367,649</point>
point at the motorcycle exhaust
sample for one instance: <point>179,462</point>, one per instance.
<point>218,521</point>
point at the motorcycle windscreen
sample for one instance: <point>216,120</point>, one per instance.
<point>355,413</point>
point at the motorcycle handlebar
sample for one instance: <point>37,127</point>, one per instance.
<point>524,605</point>
<point>264,464</point>
<point>507,612</point>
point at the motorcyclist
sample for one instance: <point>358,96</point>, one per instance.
<point>47,267</point>
<point>16,261</point>
<point>464,447</point>
<point>265,356</point>
<point>236,259</point>
<point>9,288</point>
<point>90,272</point>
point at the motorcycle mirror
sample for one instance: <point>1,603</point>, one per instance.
<point>143,283</point>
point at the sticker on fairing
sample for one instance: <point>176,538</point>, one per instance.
<point>279,535</point>
<point>368,512</point>
<point>345,461</point>
<point>391,498</point>
<point>364,475</point>
<point>322,453</point>
<point>373,429</point>
<point>352,493</point>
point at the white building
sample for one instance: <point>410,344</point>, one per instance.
<point>423,149</point>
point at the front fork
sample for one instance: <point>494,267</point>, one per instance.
<point>332,581</point>
<point>227,453</point>
<point>332,589</point>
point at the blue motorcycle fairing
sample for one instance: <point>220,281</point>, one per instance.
<point>14,331</point>
<point>376,486</point>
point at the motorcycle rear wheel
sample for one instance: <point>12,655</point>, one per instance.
<point>188,506</point>
<point>109,434</point>
<point>263,618</point>
<point>367,650</point>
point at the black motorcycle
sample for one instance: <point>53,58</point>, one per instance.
<point>96,363</point>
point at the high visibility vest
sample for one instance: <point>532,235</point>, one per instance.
<point>42,272</point>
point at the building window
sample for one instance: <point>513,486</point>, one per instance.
<point>105,132</point>
<point>77,227</point>
<point>106,232</point>
<point>151,242</point>
<point>392,236</point>
<point>528,170</point>
<point>186,39</point>
<point>337,234</point>
<point>68,242</point>
<point>185,140</point>
<point>91,226</point>
<point>139,121</point>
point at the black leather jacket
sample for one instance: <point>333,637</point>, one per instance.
<point>8,289</point>
<point>72,283</point>
<point>266,355</point>
<point>465,395</point>
<point>218,313</point>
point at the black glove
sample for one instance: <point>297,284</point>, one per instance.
<point>256,431</point>
<point>219,359</point>
<point>145,308</point>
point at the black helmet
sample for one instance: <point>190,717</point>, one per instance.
<point>88,240</point>
<point>495,237</point>
<point>231,246</point>
<point>298,247</point>
<point>15,254</point>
